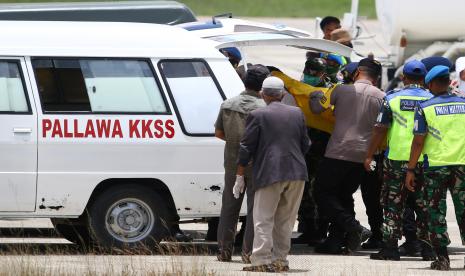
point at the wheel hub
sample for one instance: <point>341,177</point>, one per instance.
<point>129,220</point>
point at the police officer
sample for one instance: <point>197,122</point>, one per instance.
<point>411,246</point>
<point>312,226</point>
<point>396,122</point>
<point>438,134</point>
<point>334,64</point>
<point>348,72</point>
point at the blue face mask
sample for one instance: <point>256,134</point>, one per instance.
<point>312,80</point>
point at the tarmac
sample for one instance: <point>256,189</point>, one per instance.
<point>51,255</point>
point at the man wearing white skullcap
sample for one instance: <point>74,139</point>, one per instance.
<point>275,140</point>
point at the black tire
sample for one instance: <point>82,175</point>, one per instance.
<point>130,196</point>
<point>73,231</point>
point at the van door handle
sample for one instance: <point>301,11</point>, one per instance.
<point>22,130</point>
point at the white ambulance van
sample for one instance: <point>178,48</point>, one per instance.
<point>107,128</point>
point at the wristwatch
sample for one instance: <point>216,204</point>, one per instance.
<point>410,170</point>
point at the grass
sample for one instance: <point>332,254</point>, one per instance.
<point>60,259</point>
<point>265,8</point>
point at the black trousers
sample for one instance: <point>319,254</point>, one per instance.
<point>336,182</point>
<point>409,226</point>
<point>371,191</point>
<point>312,224</point>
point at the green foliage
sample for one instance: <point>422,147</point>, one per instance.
<point>279,8</point>
<point>263,8</point>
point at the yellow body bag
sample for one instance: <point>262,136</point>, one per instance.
<point>301,93</point>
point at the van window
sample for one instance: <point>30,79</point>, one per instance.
<point>12,93</point>
<point>195,93</point>
<point>98,85</point>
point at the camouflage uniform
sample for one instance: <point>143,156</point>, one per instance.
<point>393,199</point>
<point>437,181</point>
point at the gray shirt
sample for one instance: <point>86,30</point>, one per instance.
<point>231,120</point>
<point>276,140</point>
<point>356,107</point>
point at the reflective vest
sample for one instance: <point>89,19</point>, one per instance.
<point>402,105</point>
<point>445,142</point>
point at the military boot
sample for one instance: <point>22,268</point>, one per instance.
<point>411,248</point>
<point>427,252</point>
<point>442,262</point>
<point>355,238</point>
<point>389,252</point>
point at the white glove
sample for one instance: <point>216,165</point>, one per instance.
<point>239,186</point>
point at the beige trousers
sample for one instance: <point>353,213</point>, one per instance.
<point>274,214</point>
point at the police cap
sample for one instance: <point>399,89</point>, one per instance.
<point>436,72</point>
<point>414,68</point>
<point>430,62</point>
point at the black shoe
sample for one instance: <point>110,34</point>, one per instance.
<point>373,243</point>
<point>442,263</point>
<point>355,238</point>
<point>260,268</point>
<point>388,253</point>
<point>410,248</point>
<point>314,243</point>
<point>181,237</point>
<point>427,252</point>
<point>302,239</point>
<point>330,246</point>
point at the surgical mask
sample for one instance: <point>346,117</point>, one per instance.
<point>312,80</point>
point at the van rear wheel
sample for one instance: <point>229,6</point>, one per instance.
<point>128,217</point>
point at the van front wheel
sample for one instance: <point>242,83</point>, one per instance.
<point>128,217</point>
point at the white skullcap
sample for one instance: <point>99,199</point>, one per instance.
<point>273,83</point>
<point>273,87</point>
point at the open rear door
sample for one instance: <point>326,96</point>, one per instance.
<point>253,39</point>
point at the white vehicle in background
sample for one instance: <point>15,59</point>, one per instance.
<point>225,24</point>
<point>269,38</point>
<point>107,128</point>
<point>416,29</point>
<point>159,12</point>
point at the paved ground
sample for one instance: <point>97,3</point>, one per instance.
<point>55,256</point>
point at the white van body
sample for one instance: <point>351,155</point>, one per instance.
<point>116,119</point>
<point>47,175</point>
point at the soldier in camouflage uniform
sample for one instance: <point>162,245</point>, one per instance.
<point>395,122</point>
<point>438,128</point>
<point>311,225</point>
